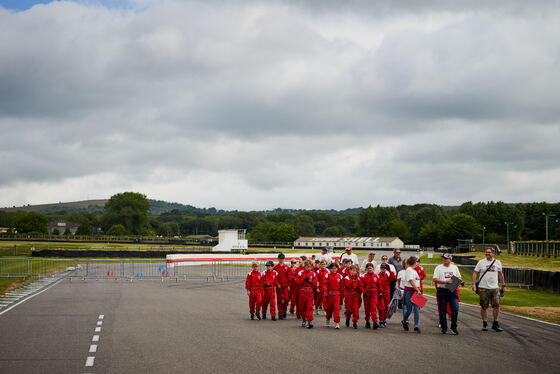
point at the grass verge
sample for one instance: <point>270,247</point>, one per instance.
<point>531,303</point>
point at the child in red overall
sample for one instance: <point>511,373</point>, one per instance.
<point>371,287</point>
<point>307,281</point>
<point>319,300</point>
<point>344,270</point>
<point>253,284</point>
<point>422,274</point>
<point>270,281</point>
<point>299,270</point>
<point>386,276</point>
<point>334,289</point>
<point>293,286</point>
<point>351,296</point>
<point>282,293</point>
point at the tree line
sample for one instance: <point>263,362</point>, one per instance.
<point>429,225</point>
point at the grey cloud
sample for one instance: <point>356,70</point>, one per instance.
<point>262,95</point>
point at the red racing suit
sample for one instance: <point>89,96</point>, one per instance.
<point>299,270</point>
<point>422,274</point>
<point>253,284</point>
<point>351,297</point>
<point>282,293</point>
<point>270,281</point>
<point>344,272</point>
<point>319,300</point>
<point>334,289</point>
<point>293,289</point>
<point>385,279</point>
<point>371,287</point>
<point>307,281</point>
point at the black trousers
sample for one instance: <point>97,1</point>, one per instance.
<point>446,297</point>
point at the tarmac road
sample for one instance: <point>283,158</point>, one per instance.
<point>200,327</point>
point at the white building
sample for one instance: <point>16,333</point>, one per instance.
<point>354,242</point>
<point>231,239</point>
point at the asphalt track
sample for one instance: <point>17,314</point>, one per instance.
<point>200,327</point>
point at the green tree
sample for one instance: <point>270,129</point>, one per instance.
<point>335,231</point>
<point>55,231</point>
<point>304,225</point>
<point>31,222</point>
<point>84,229</point>
<point>493,238</point>
<point>416,220</point>
<point>262,232</point>
<point>168,229</point>
<point>116,230</point>
<point>67,232</point>
<point>429,235</point>
<point>129,209</point>
<point>460,226</point>
<point>7,219</point>
<point>284,233</point>
<point>394,227</point>
<point>366,221</point>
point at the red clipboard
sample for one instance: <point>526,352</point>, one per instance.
<point>419,299</point>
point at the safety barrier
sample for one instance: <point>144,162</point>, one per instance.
<point>158,269</point>
<point>209,270</point>
<point>513,276</point>
<point>26,266</point>
<point>537,248</point>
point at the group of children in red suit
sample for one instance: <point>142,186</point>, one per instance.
<point>323,286</point>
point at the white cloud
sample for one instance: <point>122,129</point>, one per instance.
<point>253,105</point>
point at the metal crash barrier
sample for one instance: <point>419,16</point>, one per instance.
<point>514,276</point>
<point>160,269</point>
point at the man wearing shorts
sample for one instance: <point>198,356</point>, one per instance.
<point>488,290</point>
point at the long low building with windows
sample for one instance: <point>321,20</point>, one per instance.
<point>355,242</point>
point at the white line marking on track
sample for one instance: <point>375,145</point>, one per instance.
<point>98,329</point>
<point>99,323</point>
<point>32,296</point>
<point>93,348</point>
<point>89,361</point>
<point>95,338</point>
<point>101,316</point>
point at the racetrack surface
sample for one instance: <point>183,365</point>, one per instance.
<point>195,326</point>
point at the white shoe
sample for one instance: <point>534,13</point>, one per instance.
<point>328,323</point>
<point>337,326</point>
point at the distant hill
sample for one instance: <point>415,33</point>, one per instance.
<point>157,207</point>
<point>86,206</point>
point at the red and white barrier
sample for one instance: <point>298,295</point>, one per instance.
<point>205,259</point>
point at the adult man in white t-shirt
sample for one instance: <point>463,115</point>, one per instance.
<point>489,270</point>
<point>348,254</point>
<point>442,276</point>
<point>325,255</point>
<point>368,260</point>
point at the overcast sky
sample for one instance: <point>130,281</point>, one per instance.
<point>294,104</point>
